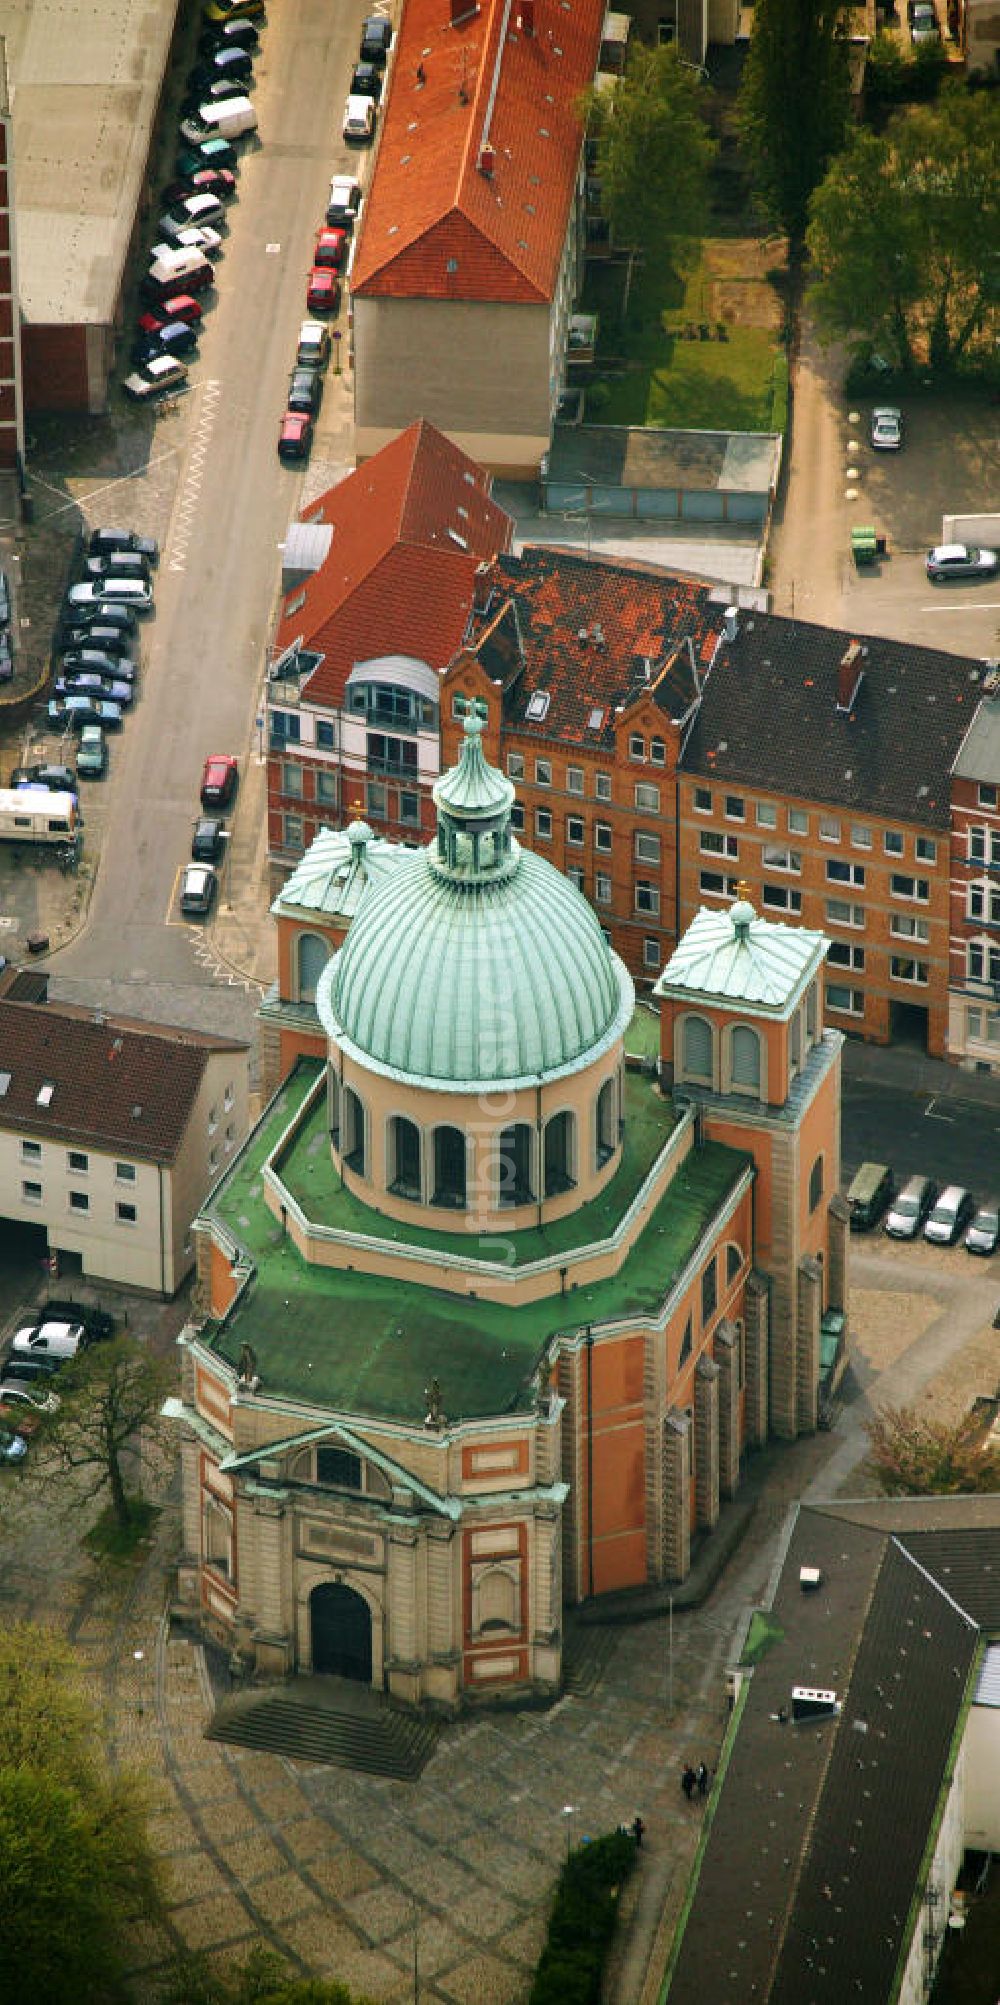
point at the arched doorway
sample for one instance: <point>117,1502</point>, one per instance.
<point>341,1625</point>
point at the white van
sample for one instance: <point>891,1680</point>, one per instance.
<point>53,1339</point>
<point>176,266</point>
<point>230,118</point>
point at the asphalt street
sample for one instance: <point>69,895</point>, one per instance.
<point>921,1116</point>
<point>220,567</point>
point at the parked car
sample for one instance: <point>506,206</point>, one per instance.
<point>104,542</point>
<point>21,1406</point>
<point>924,24</point>
<point>93,661</point>
<point>198,888</point>
<point>37,1372</point>
<point>6,655</point>
<point>175,337</point>
<point>58,779</point>
<point>192,209</point>
<point>887,428</point>
<point>313,351</point>
<point>118,564</point>
<point>910,1207</point>
<point>103,613</point>
<point>181,235</point>
<point>221,64</point>
<point>218,779</point>
<point>868,1194</point>
<point>366,81</point>
<point>376,39</point>
<point>949,1216</point>
<point>234,10</point>
<point>959,560</point>
<point>331,248</point>
<point>158,376</point>
<point>983,1234</point>
<point>208,840</point>
<point>105,593</point>
<point>82,683</point>
<point>359,121</point>
<point>92,753</point>
<point>217,181</point>
<point>103,639</point>
<point>71,713</point>
<point>98,1323</point>
<point>209,150</point>
<point>49,1337</point>
<point>6,608</point>
<point>344,201</point>
<point>217,90</point>
<point>323,290</point>
<point>295,436</point>
<point>238,34</point>
<point>13,1447</point>
<point>305,388</point>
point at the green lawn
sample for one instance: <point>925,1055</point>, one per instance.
<point>709,385</point>
<point>642,1038</point>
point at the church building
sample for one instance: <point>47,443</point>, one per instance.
<point>490,1312</point>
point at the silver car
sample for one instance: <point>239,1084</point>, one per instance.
<point>887,429</point>
<point>959,560</point>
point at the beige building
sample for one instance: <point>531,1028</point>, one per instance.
<point>111,1134</point>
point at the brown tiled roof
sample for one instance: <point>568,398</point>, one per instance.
<point>770,719</point>
<point>588,630</point>
<point>818,1838</point>
<point>434,226</point>
<point>410,529</point>
<point>114,1086</point>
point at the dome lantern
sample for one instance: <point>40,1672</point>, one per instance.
<point>473,801</point>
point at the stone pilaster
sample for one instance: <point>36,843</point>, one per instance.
<point>838,1268</point>
<point>269,1051</point>
<point>402,1642</point>
<point>442,1626</point>
<point>571,1381</point>
<point>706,1432</point>
<point>757,1315</point>
<point>782,1255</point>
<point>810,1313</point>
<point>676,1551</point>
<point>652,1394</point>
<point>261,1533</point>
<point>727,1357</point>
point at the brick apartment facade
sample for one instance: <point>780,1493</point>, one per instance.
<point>805,763</point>
<point>974,944</point>
<point>11,412</point>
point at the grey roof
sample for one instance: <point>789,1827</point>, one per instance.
<point>769,719</point>
<point>85,87</point>
<point>645,456</point>
<point>734,956</point>
<point>404,670</point>
<point>979,753</point>
<point>818,1843</point>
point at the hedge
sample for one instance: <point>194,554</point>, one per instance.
<point>582,1922</point>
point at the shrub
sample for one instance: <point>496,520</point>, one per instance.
<point>779,394</point>
<point>582,1922</point>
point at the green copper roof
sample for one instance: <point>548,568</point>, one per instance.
<point>450,983</point>
<point>733,956</point>
<point>336,870</point>
<point>474,787</point>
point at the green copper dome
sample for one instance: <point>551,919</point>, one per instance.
<point>477,964</point>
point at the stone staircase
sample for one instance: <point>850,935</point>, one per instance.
<point>586,1656</point>
<point>327,1720</point>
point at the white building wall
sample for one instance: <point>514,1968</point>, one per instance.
<point>111,1245</point>
<point>932,1919</point>
<point>982,1778</point>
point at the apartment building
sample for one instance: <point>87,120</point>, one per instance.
<point>469,255</point>
<point>974,891</point>
<point>807,764</point>
<point>384,568</point>
<point>111,1134</point>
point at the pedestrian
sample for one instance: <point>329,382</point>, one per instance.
<point>638,1828</point>
<point>688,1780</point>
<point>702,1779</point>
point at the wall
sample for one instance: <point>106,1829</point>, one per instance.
<point>11,417</point>
<point>942,1874</point>
<point>981,1751</point>
<point>478,371</point>
<point>218,1124</point>
<point>108,1248</point>
<point>974,1015</point>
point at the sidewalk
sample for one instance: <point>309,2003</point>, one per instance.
<point>909,1071</point>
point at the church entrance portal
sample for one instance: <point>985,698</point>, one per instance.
<point>341,1632</point>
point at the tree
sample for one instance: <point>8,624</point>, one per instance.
<point>904,234</point>
<point>794,104</point>
<point>110,1396</point>
<point>653,152</point>
<point>916,1456</point>
<point>262,1980</point>
<point>75,1864</point>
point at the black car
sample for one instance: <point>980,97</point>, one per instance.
<point>376,39</point>
<point>207,842</point>
<point>58,779</point>
<point>366,80</point>
<point>91,661</point>
<point>26,1371</point>
<point>228,35</point>
<point>222,63</point>
<point>97,1323</point>
<point>305,388</point>
<point>107,640</point>
<point>105,542</point>
<point>104,613</point>
<point>5,600</point>
<point>175,337</point>
<point>214,93</point>
<point>6,655</point>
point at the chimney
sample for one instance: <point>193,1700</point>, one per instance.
<point>582,636</point>
<point>482,587</point>
<point>463,10</point>
<point>487,161</point>
<point>597,634</point>
<point>526,17</point>
<point>731,627</point>
<point>850,675</point>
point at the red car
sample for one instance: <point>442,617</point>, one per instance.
<point>218,779</point>
<point>331,246</point>
<point>180,307</point>
<point>323,291</point>
<point>295,436</point>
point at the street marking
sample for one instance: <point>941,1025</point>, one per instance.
<point>172,899</point>
<point>189,494</point>
<point>80,501</point>
<point>965,606</point>
<point>930,1115</point>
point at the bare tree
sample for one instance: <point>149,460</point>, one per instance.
<point>110,1401</point>
<point>914,1455</point>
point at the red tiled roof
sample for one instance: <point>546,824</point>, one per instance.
<point>629,617</point>
<point>114,1087</point>
<point>396,579</point>
<point>434,225</point>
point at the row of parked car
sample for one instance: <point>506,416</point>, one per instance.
<point>96,664</point>
<point>918,1206</point>
<point>200,882</point>
<point>42,1344</point>
<point>216,114</point>
<point>6,629</point>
